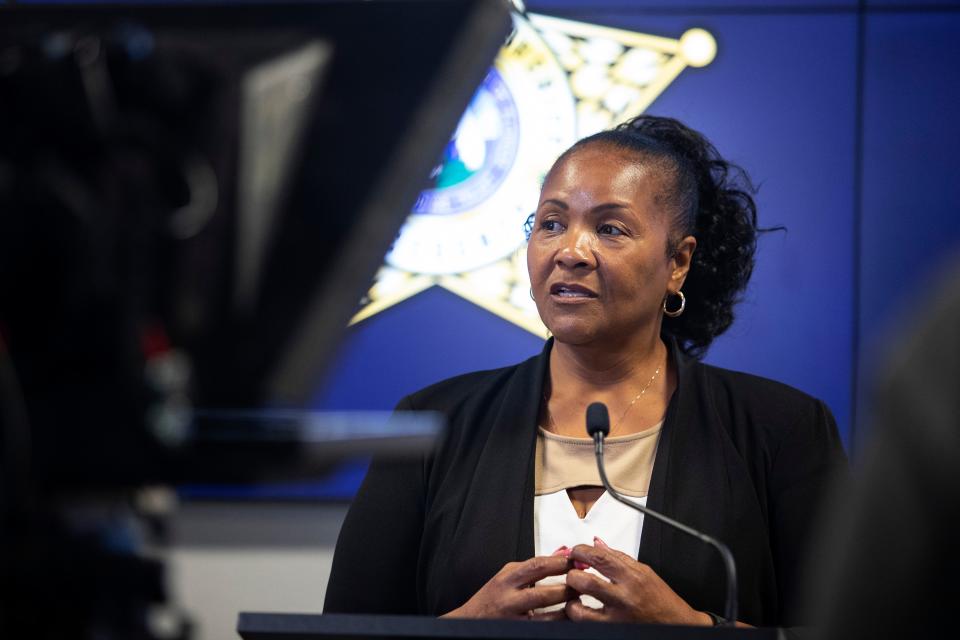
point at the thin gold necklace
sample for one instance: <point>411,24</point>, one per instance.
<point>551,423</point>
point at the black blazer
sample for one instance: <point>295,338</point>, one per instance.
<point>741,458</point>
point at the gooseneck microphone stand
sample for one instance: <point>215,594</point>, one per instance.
<point>598,426</point>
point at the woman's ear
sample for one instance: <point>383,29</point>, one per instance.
<point>682,256</point>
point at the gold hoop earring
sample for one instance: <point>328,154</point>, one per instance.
<point>676,312</point>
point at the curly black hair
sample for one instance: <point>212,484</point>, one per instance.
<point>710,199</point>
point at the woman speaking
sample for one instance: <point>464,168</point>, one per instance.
<point>642,241</point>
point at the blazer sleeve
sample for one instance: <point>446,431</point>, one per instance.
<point>375,561</point>
<point>809,458</point>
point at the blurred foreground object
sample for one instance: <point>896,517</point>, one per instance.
<point>192,200</point>
<point>891,560</point>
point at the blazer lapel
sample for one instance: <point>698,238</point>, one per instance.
<point>497,519</point>
<point>651,549</point>
<point>694,480</point>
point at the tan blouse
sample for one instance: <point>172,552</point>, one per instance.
<point>563,462</point>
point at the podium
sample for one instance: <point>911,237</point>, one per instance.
<point>296,626</point>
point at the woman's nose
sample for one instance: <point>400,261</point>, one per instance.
<point>577,250</point>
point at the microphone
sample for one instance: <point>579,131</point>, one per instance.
<point>598,426</point>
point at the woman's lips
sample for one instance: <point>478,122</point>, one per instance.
<point>568,292</point>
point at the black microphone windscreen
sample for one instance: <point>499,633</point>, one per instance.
<point>598,420</point>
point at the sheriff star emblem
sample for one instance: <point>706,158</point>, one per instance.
<point>555,82</point>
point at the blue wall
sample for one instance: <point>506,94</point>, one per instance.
<point>910,195</point>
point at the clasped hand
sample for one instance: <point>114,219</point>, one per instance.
<point>632,593</point>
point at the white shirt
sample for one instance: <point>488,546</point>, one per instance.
<point>556,523</point>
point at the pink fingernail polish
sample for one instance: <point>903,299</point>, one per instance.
<point>600,543</point>
<point>583,566</point>
<point>561,551</point>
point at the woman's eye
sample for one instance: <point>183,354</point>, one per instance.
<point>551,225</point>
<point>610,230</point>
